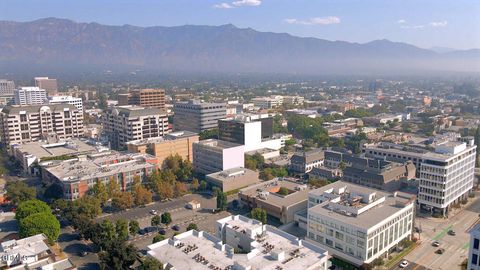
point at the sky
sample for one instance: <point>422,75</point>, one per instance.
<point>424,23</point>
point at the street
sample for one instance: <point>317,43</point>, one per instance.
<point>436,229</point>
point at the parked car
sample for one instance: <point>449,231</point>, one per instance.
<point>162,231</point>
<point>153,212</point>
<point>403,264</point>
<point>83,253</point>
<point>436,244</point>
<point>176,228</point>
<point>150,229</point>
<point>440,251</point>
<point>452,232</point>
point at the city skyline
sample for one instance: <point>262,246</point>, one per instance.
<point>429,25</point>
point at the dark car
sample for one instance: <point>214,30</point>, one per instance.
<point>452,232</point>
<point>176,228</point>
<point>440,251</point>
<point>150,229</point>
<point>83,253</point>
<point>162,231</point>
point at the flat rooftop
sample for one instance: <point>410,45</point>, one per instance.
<point>233,174</point>
<point>219,144</point>
<point>41,149</point>
<point>97,166</point>
<point>168,137</point>
<point>358,205</point>
<point>267,191</point>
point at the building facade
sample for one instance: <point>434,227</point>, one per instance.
<point>19,124</point>
<point>445,175</point>
<point>210,156</point>
<point>306,161</point>
<point>6,88</point>
<point>359,224</point>
<point>175,143</point>
<point>232,179</point>
<point>474,251</point>
<point>129,123</point>
<point>196,116</point>
<point>30,96</point>
<point>144,97</point>
<point>50,85</point>
<point>75,101</point>
<point>77,176</point>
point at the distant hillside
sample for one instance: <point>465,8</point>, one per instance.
<point>57,44</point>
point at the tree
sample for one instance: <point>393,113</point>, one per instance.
<point>195,184</point>
<point>102,100</point>
<point>31,207</point>
<point>88,206</point>
<point>121,227</point>
<point>100,192</point>
<point>180,189</point>
<point>108,232</point>
<point>122,200</point>
<point>266,174</point>
<point>259,214</point>
<point>209,134</point>
<point>150,263</point>
<point>118,255</point>
<point>166,218</point>
<point>158,238</point>
<point>155,220</point>
<point>203,185</point>
<point>134,227</point>
<point>283,191</point>
<point>192,226</point>
<point>18,191</point>
<point>113,187</point>
<point>164,190</point>
<point>222,201</point>
<point>44,222</point>
<point>142,196</point>
<point>54,192</point>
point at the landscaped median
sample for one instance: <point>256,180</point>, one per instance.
<point>399,256</point>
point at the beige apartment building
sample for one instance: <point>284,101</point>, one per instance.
<point>20,124</point>
<point>144,97</point>
<point>179,142</point>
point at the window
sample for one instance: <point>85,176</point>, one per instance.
<point>475,243</point>
<point>474,259</point>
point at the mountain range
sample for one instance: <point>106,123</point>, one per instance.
<point>53,44</point>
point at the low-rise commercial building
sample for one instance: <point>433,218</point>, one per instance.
<point>175,143</point>
<point>359,224</point>
<point>266,195</point>
<point>129,123</point>
<point>49,84</point>
<point>304,162</point>
<point>232,179</point>
<point>474,251</point>
<point>265,248</point>
<point>77,176</point>
<point>75,101</point>
<point>210,156</point>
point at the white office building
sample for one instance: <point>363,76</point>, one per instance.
<point>75,101</point>
<point>474,251</point>
<point>211,156</point>
<point>30,96</point>
<point>359,224</point>
<point>445,175</point>
<point>6,88</point>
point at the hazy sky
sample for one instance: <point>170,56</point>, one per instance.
<point>425,23</point>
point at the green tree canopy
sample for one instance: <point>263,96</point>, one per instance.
<point>44,222</point>
<point>222,201</point>
<point>134,227</point>
<point>31,207</point>
<point>19,191</point>
<point>166,218</point>
<point>259,214</point>
<point>192,226</point>
<point>151,263</point>
<point>118,255</point>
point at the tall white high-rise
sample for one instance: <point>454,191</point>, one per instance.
<point>30,96</point>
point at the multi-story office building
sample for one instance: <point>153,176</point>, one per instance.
<point>267,102</point>
<point>445,175</point>
<point>266,195</point>
<point>474,251</point>
<point>240,244</point>
<point>254,134</point>
<point>232,179</point>
<point>359,224</point>
<point>175,143</point>
<point>50,85</point>
<point>378,173</point>
<point>196,116</point>
<point>293,100</point>
<point>129,123</point>
<point>210,156</point>
<point>6,88</point>
<point>304,162</point>
<point>77,176</point>
<point>75,101</point>
<point>144,97</point>
<point>30,96</point>
<point>19,124</point>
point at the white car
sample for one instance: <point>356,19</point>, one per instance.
<point>403,264</point>
<point>153,212</point>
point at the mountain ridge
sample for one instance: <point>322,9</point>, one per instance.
<point>54,44</point>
